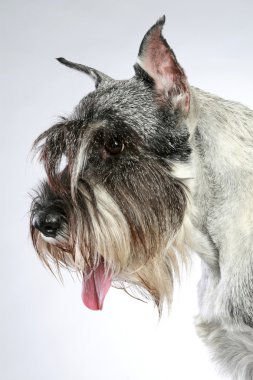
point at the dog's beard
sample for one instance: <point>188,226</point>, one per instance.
<point>130,237</point>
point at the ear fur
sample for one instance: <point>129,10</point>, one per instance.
<point>159,62</point>
<point>96,75</point>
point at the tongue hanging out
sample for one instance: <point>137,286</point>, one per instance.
<point>96,283</point>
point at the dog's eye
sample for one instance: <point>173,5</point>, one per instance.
<point>114,146</point>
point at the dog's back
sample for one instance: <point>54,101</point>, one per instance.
<point>223,158</point>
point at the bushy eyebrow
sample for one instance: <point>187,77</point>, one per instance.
<point>63,138</point>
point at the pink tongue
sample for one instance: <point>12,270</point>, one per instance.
<point>96,284</point>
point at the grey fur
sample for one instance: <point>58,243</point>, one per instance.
<point>223,154</point>
<point>96,75</point>
<point>181,178</point>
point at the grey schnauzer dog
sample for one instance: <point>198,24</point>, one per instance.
<point>143,172</point>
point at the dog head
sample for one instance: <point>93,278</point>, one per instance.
<point>115,210</point>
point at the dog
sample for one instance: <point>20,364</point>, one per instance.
<point>142,173</point>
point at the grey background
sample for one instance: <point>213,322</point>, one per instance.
<point>45,331</point>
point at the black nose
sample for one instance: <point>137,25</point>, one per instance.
<point>48,224</point>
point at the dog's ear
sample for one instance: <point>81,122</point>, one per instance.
<point>157,65</point>
<point>96,75</point>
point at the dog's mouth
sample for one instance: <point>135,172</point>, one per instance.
<point>96,283</point>
<point>96,279</point>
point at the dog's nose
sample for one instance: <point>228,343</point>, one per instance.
<point>48,224</point>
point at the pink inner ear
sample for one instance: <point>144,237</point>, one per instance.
<point>159,61</point>
<point>159,64</point>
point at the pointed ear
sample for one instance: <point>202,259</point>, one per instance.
<point>157,62</point>
<point>96,75</point>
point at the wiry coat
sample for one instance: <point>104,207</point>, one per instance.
<point>223,194</point>
<point>154,169</point>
